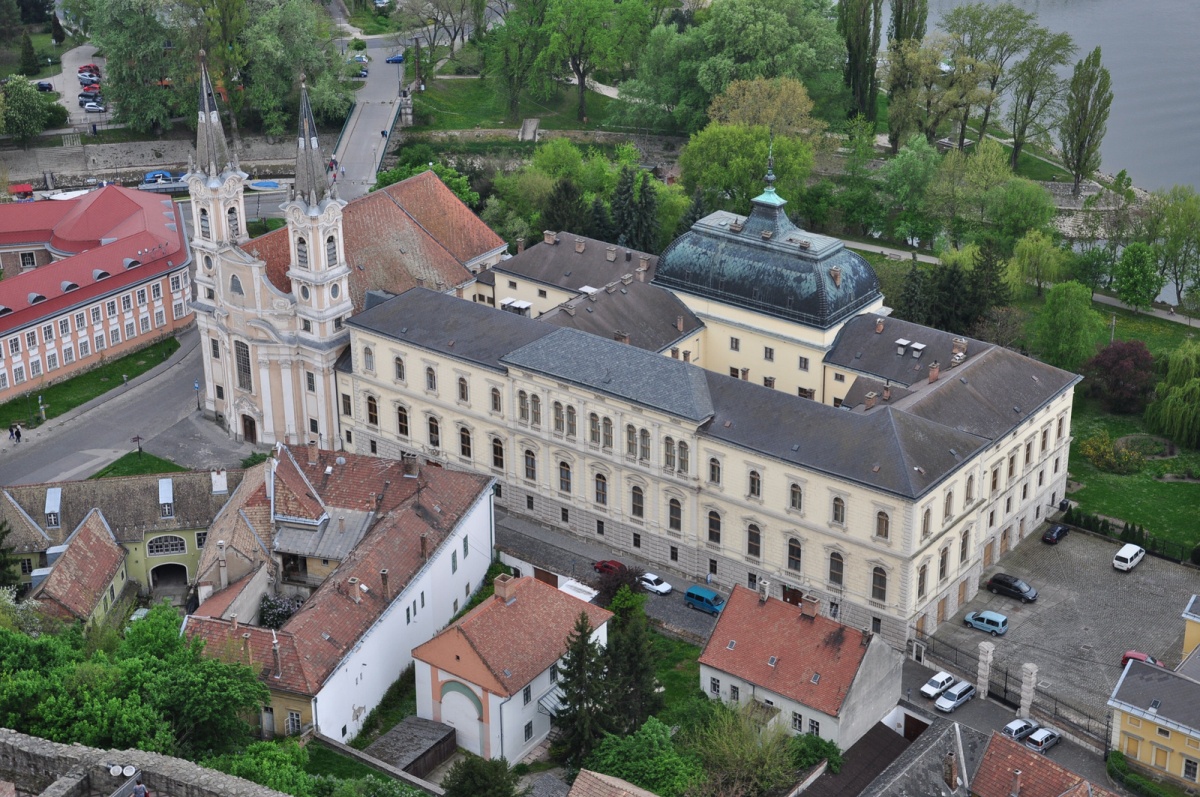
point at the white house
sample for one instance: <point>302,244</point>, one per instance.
<point>492,675</point>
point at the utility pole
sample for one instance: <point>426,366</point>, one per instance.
<point>1113,329</point>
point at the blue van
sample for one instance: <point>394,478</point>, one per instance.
<point>158,176</point>
<point>704,599</point>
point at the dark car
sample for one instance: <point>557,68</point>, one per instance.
<point>608,566</point>
<point>398,58</point>
<point>1013,587</point>
<point>84,99</point>
<point>362,72</point>
<point>1054,534</point>
<point>45,85</point>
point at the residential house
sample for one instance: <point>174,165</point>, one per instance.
<point>86,574</point>
<point>809,673</point>
<point>492,675</point>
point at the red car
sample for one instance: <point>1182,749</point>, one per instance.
<point>1137,655</point>
<point>608,566</point>
<point>95,70</point>
<point>92,89</point>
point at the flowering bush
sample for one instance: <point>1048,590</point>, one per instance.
<point>1101,452</point>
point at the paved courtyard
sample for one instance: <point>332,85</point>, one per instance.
<point>1087,614</point>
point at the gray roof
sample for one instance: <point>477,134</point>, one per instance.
<point>312,181</point>
<point>212,154</point>
<point>559,263</point>
<point>619,370</point>
<point>442,323</point>
<point>1144,685</point>
<point>919,771</point>
<point>408,741</point>
<point>648,314</point>
<point>858,347</point>
<point>327,542</point>
<point>885,449</point>
<point>764,262</point>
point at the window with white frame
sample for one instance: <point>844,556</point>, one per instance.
<point>68,354</point>
<point>127,302</point>
<point>35,367</point>
<point>156,291</point>
<point>167,545</point>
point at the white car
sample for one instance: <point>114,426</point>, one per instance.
<point>652,583</point>
<point>939,683</point>
<point>955,696</point>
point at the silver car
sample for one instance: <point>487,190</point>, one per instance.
<point>1042,740</point>
<point>955,696</point>
<point>1019,728</point>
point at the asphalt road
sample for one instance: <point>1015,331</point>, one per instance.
<point>362,147</point>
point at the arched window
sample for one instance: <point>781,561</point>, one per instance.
<point>205,226</point>
<point>879,585</point>
<point>235,286</point>
<point>430,379</point>
<point>926,523</point>
<point>631,441</point>
<point>331,257</point>
<point>572,422</point>
<point>669,453</point>
<point>714,470</point>
<point>839,510</point>
<point>714,527</point>
<point>835,569</point>
<point>644,449</point>
<point>683,457</point>
<point>497,404</point>
<point>675,515</point>
<point>435,433</point>
<point>794,554</point>
<point>530,465</point>
<point>535,410</point>
<point>235,227</point>
<point>944,563</point>
<point>372,411</point>
<point>964,547</point>
<point>402,421</point>
<point>166,546</point>
<point>241,356</point>
<point>560,418</point>
<point>922,575</point>
<point>796,497</point>
<point>948,506</point>
<point>564,477</point>
<point>523,406</point>
<point>302,253</point>
<point>755,484</point>
<point>497,453</point>
<point>637,504</point>
<point>464,442</point>
<point>399,365</point>
<point>368,359</point>
<point>882,525</point>
<point>594,429</point>
<point>753,541</point>
<point>970,489</point>
<point>608,433</point>
<point>601,489</point>
<point>464,390</point>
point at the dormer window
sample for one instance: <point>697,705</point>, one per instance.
<point>67,286</point>
<point>53,507</point>
<point>166,498</point>
<point>52,520</point>
<point>35,298</point>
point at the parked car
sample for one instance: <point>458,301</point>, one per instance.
<point>1042,739</point>
<point>91,68</point>
<point>84,99</point>
<point>158,176</point>
<point>362,72</point>
<point>93,88</point>
<point>398,58</point>
<point>357,57</point>
<point>655,584</point>
<point>45,85</point>
<point>88,79</point>
<point>939,683</point>
<point>608,566</point>
<point>95,107</point>
<point>1019,728</point>
<point>1054,534</point>
<point>1137,655</point>
<point>704,599</point>
<point>1013,587</point>
<point>1128,557</point>
<point>955,696</point>
<point>994,623</point>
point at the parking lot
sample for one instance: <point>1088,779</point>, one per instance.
<point>1086,616</point>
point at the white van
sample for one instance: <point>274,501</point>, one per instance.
<point>1128,557</point>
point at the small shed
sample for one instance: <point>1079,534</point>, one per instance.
<point>416,745</point>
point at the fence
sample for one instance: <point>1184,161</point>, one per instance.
<point>1156,546</point>
<point>1090,722</point>
<point>950,655</point>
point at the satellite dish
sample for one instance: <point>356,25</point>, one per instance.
<point>129,770</point>
<point>115,770</point>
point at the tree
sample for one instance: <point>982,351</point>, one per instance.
<point>1189,303</point>
<point>1136,278</point>
<point>584,714</point>
<point>629,671</point>
<point>647,759</point>
<point>10,15</point>
<point>644,235</point>
<point>914,301</point>
<point>601,223</point>
<point>1067,328</point>
<point>1090,267</point>
<point>1036,259</point>
<point>906,179</point>
<point>908,20</point>
<point>740,754</point>
<point>947,199</point>
<point>983,172</point>
<point>858,200</point>
<point>131,33</point>
<point>1173,225</point>
<point>1085,120</point>
<point>727,162</point>
<point>922,94</point>
<point>1124,372</point>
<point>987,283</point>
<point>1016,207</point>
<point>9,575</point>
<point>472,776</point>
<point>780,104</point>
<point>511,53</point>
<point>1036,91</point>
<point>859,23</point>
<point>57,34</point>
<point>1003,326</point>
<point>24,111</point>
<point>277,766</point>
<point>947,288</point>
<point>564,209</point>
<point>587,35</point>
<point>624,206</point>
<point>1175,410</point>
<point>907,25</point>
<point>696,211</point>
<point>29,60</point>
<point>456,182</point>
<point>224,23</point>
<point>665,93</point>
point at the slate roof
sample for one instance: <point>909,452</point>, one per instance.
<point>1040,777</point>
<point>764,262</point>
<point>560,265</point>
<point>619,370</point>
<point>1177,695</point>
<point>408,740</point>
<point>80,576</point>
<point>804,648</point>
<point>469,331</point>
<point>651,316</point>
<point>212,153</point>
<point>918,772</point>
<point>312,178</point>
<point>859,348</point>
<point>595,784</point>
<point>878,748</point>
<point>510,642</point>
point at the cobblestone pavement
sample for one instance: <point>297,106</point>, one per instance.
<point>1087,614</point>
<point>566,554</point>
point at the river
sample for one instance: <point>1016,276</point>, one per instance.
<point>1152,50</point>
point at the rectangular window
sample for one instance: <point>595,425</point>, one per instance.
<point>31,339</point>
<point>96,315</point>
<point>51,361</point>
<point>141,296</point>
<point>144,323</point>
<point>176,283</point>
<point>3,380</point>
<point>177,310</point>
<point>127,302</point>
<point>130,330</point>
<point>294,725</point>
<point>14,346</point>
<point>28,260</point>
<point>674,554</point>
<point>313,426</point>
<point>803,363</point>
<point>733,693</point>
<point>1189,769</point>
<point>80,321</point>
<point>68,354</point>
<point>242,356</point>
<point>35,367</point>
<point>735,344</point>
<point>64,326</point>
<point>110,308</point>
<point>221,394</point>
<point>839,377</point>
<point>114,336</point>
<point>156,291</point>
<point>768,354</point>
<point>26,566</point>
<point>48,332</point>
<point>814,727</point>
<point>527,695</point>
<point>160,318</point>
<point>454,561</point>
<point>310,381</point>
<point>637,540</point>
<point>529,730</point>
<point>600,527</point>
<point>714,685</point>
<point>83,348</point>
<point>797,722</point>
<point>18,374</point>
<point>347,407</point>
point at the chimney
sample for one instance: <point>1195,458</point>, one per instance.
<point>505,587</point>
<point>628,256</point>
<point>424,547</point>
<point>950,771</point>
<point>411,468</point>
<point>246,646</point>
<point>644,260</point>
<point>275,654</point>
<point>836,274</point>
<point>1015,791</point>
<point>383,581</point>
<point>641,273</point>
<point>569,310</point>
<point>341,524</point>
<point>678,323</point>
<point>878,326</point>
<point>610,254</point>
<point>549,237</point>
<point>959,346</point>
<point>521,244</point>
<point>887,392</point>
<point>865,639</point>
<point>352,586</point>
<point>626,279</point>
<point>221,564</point>
<point>745,374</point>
<point>621,337</point>
<point>233,619</point>
<point>934,371</point>
<point>579,244</point>
<point>870,400</point>
<point>809,606</point>
<point>687,355</point>
<point>312,452</point>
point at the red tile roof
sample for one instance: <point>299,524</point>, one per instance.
<point>804,647</point>
<point>510,642</point>
<point>1040,777</point>
<point>294,496</point>
<point>79,578</point>
<point>223,641</point>
<point>441,214</point>
<point>219,602</point>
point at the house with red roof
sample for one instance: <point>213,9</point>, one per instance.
<point>87,278</point>
<point>806,671</point>
<point>1010,769</point>
<point>493,674</point>
<point>86,574</point>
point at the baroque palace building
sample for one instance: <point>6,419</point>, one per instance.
<point>796,440</point>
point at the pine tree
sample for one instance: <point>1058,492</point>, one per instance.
<point>601,225</point>
<point>9,576</point>
<point>645,230</point>
<point>630,660</point>
<point>947,310</point>
<point>29,60</point>
<point>624,206</point>
<point>584,717</point>
<point>913,303</point>
<point>56,31</point>
<point>565,211</point>
<point>696,211</point>
<point>986,282</point>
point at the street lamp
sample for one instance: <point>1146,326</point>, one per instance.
<point>196,385</point>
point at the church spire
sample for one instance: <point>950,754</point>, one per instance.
<point>212,154</point>
<point>311,182</point>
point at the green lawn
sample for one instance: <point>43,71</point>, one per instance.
<point>467,104</point>
<point>263,226</point>
<point>372,24</point>
<point>68,395</point>
<point>677,668</point>
<point>325,761</point>
<point>1160,335</point>
<point>398,702</point>
<point>136,464</point>
<point>43,45</point>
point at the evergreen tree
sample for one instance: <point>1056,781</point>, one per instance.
<point>947,310</point>
<point>10,14</point>
<point>29,60</point>
<point>859,23</point>
<point>645,229</point>
<point>584,717</point>
<point>472,776</point>
<point>564,210</point>
<point>601,225</point>
<point>624,205</point>
<point>630,660</point>
<point>913,303</point>
<point>986,283</point>
<point>9,575</point>
<point>56,31</point>
<point>696,211</point>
